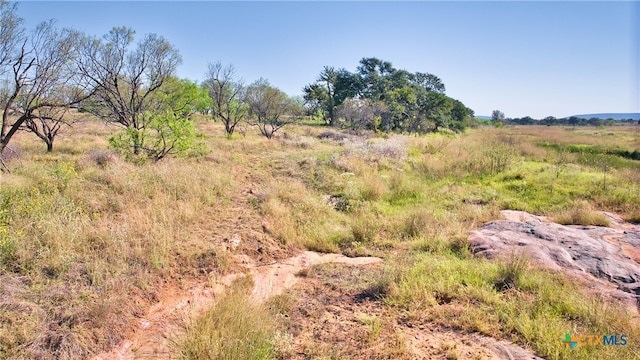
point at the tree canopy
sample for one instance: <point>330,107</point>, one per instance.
<point>403,101</point>
<point>228,96</point>
<point>123,78</point>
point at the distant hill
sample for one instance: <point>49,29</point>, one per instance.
<point>614,116</point>
<point>603,116</point>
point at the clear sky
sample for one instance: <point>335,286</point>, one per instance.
<point>537,58</point>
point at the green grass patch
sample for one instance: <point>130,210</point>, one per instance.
<point>509,300</point>
<point>599,155</point>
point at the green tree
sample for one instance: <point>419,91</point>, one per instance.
<point>270,108</point>
<point>330,90</point>
<point>375,75</point>
<point>461,116</point>
<point>181,96</point>
<point>497,115</point>
<point>165,133</point>
<point>404,109</point>
<point>428,81</point>
<point>412,102</point>
<point>168,128</point>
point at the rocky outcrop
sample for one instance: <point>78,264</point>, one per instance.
<point>607,259</point>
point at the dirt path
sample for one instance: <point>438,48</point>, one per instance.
<point>276,278</point>
<point>163,321</point>
<point>152,339</point>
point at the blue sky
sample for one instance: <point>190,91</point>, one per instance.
<point>534,59</point>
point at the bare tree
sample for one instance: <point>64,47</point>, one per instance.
<point>228,95</point>
<point>34,71</point>
<point>270,107</point>
<point>11,33</point>
<point>47,123</point>
<point>123,79</point>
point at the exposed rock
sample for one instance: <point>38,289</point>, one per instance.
<point>608,259</point>
<point>233,243</point>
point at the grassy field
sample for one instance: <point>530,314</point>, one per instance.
<point>86,238</point>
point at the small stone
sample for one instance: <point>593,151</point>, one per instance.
<point>234,242</point>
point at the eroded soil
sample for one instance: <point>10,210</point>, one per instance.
<point>178,304</point>
<point>336,312</point>
<point>331,307</point>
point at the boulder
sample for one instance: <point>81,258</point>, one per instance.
<point>607,259</point>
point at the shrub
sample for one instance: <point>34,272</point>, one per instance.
<point>102,158</point>
<point>166,134</point>
<point>7,247</point>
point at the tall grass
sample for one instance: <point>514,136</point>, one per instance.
<point>234,328</point>
<point>86,237</point>
<point>581,213</point>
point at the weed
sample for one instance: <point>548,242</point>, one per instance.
<point>633,217</point>
<point>449,350</point>
<point>373,324</point>
<point>511,272</point>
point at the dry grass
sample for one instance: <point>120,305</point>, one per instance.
<point>83,232</point>
<point>96,232</point>
<point>581,213</point>
<point>633,217</point>
<point>232,329</point>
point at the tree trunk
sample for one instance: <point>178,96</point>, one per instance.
<point>331,116</point>
<point>137,142</point>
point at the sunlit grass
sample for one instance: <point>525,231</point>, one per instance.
<point>233,328</point>
<point>509,300</point>
<point>91,230</point>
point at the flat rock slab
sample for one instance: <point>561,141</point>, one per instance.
<point>608,259</point>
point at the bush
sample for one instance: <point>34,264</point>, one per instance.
<point>166,134</point>
<point>7,247</point>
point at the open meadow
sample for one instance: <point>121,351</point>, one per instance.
<point>90,241</point>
